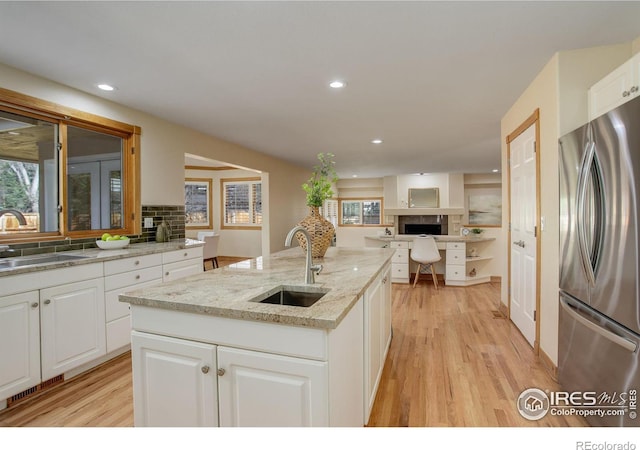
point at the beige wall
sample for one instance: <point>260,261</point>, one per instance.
<point>162,154</point>
<point>560,93</point>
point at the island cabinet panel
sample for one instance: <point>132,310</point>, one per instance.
<point>263,389</point>
<point>377,335</point>
<point>174,382</point>
<point>72,321</point>
<point>19,343</point>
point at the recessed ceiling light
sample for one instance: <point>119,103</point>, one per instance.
<point>337,84</point>
<point>354,176</point>
<point>14,133</point>
<point>495,170</point>
<point>106,87</point>
<point>377,141</point>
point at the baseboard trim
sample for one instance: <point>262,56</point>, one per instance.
<point>548,364</point>
<point>504,310</point>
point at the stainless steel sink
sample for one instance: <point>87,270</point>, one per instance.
<point>292,296</point>
<point>22,261</point>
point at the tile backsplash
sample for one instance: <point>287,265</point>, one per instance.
<point>174,215</point>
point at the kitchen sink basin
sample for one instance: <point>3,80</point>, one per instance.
<point>22,261</point>
<point>292,296</point>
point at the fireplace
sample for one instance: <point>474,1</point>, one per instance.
<point>422,228</point>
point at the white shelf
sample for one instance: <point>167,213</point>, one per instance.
<point>478,258</point>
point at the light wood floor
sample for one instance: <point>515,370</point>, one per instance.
<point>452,362</point>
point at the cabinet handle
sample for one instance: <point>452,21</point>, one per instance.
<point>185,254</point>
<point>137,277</point>
<point>205,369</point>
<point>47,301</point>
<point>625,93</point>
<point>166,274</point>
<point>34,305</point>
<point>221,372</point>
<point>384,280</point>
<point>137,263</point>
<point>633,89</point>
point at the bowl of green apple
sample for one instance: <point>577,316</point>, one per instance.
<point>109,242</point>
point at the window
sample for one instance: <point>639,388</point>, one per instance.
<point>360,212</point>
<point>197,203</point>
<point>62,171</point>
<point>241,202</point>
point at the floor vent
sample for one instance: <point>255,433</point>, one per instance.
<point>498,315</point>
<point>34,390</point>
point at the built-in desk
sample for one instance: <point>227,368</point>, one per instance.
<point>463,266</point>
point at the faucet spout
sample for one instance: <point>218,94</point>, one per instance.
<point>310,269</point>
<point>21,219</point>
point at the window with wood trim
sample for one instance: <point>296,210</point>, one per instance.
<point>64,172</point>
<point>360,212</point>
<point>241,203</point>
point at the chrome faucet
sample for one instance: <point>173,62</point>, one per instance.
<point>310,269</point>
<point>15,212</point>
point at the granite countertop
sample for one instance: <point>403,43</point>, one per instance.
<point>226,292</point>
<point>94,255</point>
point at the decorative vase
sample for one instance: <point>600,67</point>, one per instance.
<point>320,230</point>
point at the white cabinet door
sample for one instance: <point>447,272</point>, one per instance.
<point>263,389</point>
<point>386,311</point>
<point>174,382</point>
<point>19,343</point>
<point>72,321</point>
<point>616,88</point>
<point>373,311</point>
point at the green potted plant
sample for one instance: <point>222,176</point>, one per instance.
<point>477,231</point>
<point>318,189</point>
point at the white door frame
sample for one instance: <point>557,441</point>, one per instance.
<point>533,119</point>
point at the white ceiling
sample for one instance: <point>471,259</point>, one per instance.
<point>432,79</point>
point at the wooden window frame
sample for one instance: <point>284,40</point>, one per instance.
<point>223,215</point>
<point>63,116</point>
<point>360,200</point>
<point>209,184</point>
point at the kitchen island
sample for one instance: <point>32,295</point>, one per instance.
<point>206,351</point>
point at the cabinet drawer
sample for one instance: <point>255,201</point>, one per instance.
<point>399,270</point>
<point>399,244</point>
<point>129,264</point>
<point>181,255</point>
<point>118,333</point>
<point>114,308</point>
<point>123,280</point>
<point>181,269</point>
<point>456,257</point>
<point>455,246</point>
<point>456,272</point>
<point>401,256</point>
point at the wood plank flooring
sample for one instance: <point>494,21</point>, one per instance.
<point>452,362</point>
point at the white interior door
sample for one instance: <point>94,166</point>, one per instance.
<point>523,232</point>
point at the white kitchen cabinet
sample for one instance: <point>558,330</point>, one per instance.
<point>19,343</point>
<point>463,269</point>
<point>263,389</point>
<point>120,276</point>
<point>377,335</point>
<point>400,261</point>
<point>181,263</point>
<point>174,382</point>
<point>72,326</point>
<point>616,88</point>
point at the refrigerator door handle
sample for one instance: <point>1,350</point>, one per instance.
<point>611,336</point>
<point>582,219</point>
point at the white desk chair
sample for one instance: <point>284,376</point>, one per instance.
<point>210,250</point>
<point>425,252</point>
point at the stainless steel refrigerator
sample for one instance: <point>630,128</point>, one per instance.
<point>599,327</point>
